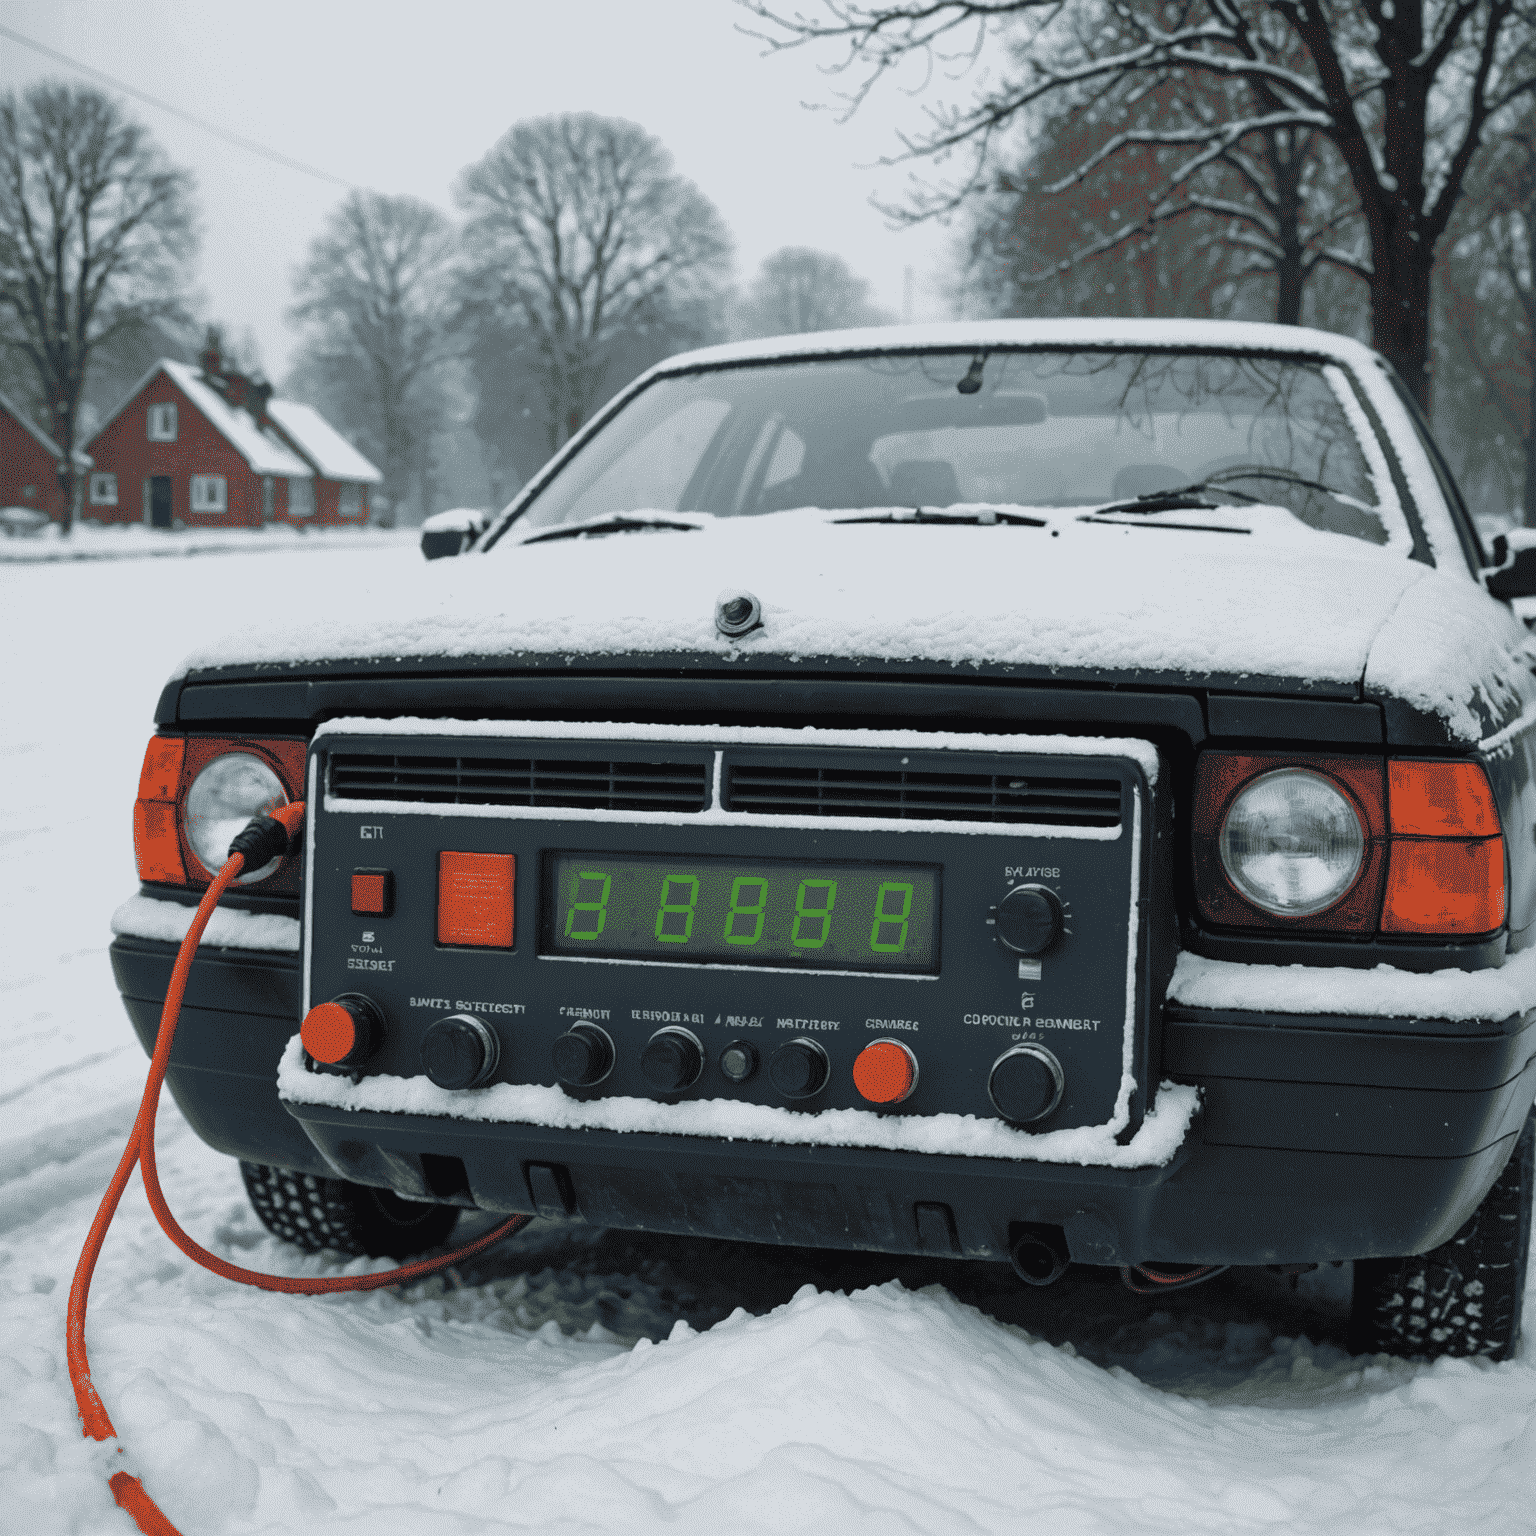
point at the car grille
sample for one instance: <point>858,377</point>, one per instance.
<point>900,795</point>
<point>575,783</point>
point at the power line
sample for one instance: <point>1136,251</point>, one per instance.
<point>275,156</point>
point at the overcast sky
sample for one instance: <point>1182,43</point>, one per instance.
<point>401,96</point>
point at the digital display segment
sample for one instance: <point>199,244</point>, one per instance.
<point>778,912</point>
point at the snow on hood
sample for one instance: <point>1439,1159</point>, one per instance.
<point>1073,598</point>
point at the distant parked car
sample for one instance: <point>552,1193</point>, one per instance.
<point>22,521</point>
<point>1057,791</point>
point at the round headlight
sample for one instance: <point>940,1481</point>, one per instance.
<point>224,796</point>
<point>1292,842</point>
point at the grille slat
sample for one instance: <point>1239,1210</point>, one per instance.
<point>900,795</point>
<point>576,783</point>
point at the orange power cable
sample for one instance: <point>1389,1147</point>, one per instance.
<point>129,1492</point>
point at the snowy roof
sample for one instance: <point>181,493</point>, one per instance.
<point>261,449</point>
<point>319,441</point>
<point>1243,335</point>
<point>9,406</point>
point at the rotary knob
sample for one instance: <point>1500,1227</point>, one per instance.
<point>583,1055</point>
<point>672,1060</point>
<point>1028,919</point>
<point>459,1051</point>
<point>344,1032</point>
<point>799,1069</point>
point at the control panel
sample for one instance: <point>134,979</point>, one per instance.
<point>813,928</point>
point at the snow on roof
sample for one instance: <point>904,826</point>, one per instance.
<point>336,458</point>
<point>9,406</point>
<point>261,450</point>
<point>1244,335</point>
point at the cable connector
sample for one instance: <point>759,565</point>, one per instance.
<point>265,838</point>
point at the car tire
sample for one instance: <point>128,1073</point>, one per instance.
<point>1464,1297</point>
<point>357,1220</point>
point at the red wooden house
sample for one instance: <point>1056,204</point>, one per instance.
<point>30,462</point>
<point>209,447</point>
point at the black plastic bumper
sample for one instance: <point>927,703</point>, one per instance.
<point>1318,1139</point>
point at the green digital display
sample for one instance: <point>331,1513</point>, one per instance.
<point>784,912</point>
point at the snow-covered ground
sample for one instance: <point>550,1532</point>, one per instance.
<point>133,541</point>
<point>571,1380</point>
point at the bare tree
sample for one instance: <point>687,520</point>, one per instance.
<point>1404,89</point>
<point>376,292</point>
<point>96,236</point>
<point>579,232</point>
<point>798,289</point>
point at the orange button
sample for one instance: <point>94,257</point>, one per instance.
<point>371,892</point>
<point>474,898</point>
<point>329,1033</point>
<point>885,1072</point>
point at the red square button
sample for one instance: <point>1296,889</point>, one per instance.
<point>474,898</point>
<point>372,892</point>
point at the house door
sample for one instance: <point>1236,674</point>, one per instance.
<point>160,501</point>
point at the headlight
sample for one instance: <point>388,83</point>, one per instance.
<point>1292,842</point>
<point>224,796</point>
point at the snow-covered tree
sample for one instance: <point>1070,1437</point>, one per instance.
<point>799,289</point>
<point>1405,90</point>
<point>581,233</point>
<point>96,239</point>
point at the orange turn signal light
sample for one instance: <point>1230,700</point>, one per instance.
<point>1446,886</point>
<point>156,841</point>
<point>475,899</point>
<point>1430,799</point>
<point>885,1072</point>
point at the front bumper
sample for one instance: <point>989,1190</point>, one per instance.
<point>1319,1139</point>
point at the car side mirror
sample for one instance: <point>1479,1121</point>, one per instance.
<point>1513,572</point>
<point>453,531</point>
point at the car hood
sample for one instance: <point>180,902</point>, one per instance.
<point>1316,613</point>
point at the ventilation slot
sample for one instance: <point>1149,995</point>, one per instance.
<point>898,795</point>
<point>577,783</point>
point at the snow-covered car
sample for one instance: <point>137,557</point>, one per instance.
<point>1022,791</point>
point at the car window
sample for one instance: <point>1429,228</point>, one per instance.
<point>1033,428</point>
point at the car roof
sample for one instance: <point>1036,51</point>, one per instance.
<point>1225,335</point>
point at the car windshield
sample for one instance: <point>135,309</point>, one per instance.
<point>1042,429</point>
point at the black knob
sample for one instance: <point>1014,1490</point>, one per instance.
<point>1026,1084</point>
<point>459,1051</point>
<point>583,1055</point>
<point>799,1069</point>
<point>672,1060</point>
<point>1029,919</point>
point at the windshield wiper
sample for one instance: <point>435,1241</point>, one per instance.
<point>927,515</point>
<point>1195,497</point>
<point>618,523</point>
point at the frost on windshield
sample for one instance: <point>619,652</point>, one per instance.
<point>1057,429</point>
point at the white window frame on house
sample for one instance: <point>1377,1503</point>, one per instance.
<point>161,422</point>
<point>301,496</point>
<point>210,493</point>
<point>349,499</point>
<point>103,488</point>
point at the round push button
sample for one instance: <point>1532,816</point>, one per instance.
<point>672,1060</point>
<point>343,1032</point>
<point>738,1061</point>
<point>799,1069</point>
<point>885,1072</point>
<point>1029,919</point>
<point>1026,1084</point>
<point>583,1055</point>
<point>459,1051</point>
